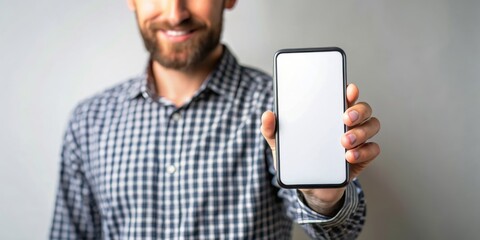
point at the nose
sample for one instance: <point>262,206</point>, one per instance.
<point>177,12</point>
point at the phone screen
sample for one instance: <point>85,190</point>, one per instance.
<point>310,101</point>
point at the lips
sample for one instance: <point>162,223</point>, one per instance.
<point>176,33</point>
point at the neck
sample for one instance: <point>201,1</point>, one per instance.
<point>180,85</point>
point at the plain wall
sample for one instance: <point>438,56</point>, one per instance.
<point>416,63</point>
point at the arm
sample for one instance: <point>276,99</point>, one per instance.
<point>76,214</point>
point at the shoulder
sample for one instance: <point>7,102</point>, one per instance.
<point>259,85</point>
<point>94,106</point>
<point>256,80</point>
<point>256,76</point>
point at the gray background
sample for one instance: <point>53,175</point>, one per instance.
<point>415,62</point>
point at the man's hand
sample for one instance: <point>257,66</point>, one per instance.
<point>362,126</point>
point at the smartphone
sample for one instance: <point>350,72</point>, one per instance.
<point>310,88</point>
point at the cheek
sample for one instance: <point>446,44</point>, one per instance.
<point>147,9</point>
<point>209,11</point>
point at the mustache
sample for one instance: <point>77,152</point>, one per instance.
<point>189,23</point>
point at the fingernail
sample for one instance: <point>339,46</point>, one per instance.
<point>355,154</point>
<point>352,138</point>
<point>353,115</point>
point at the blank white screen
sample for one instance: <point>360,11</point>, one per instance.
<point>310,106</point>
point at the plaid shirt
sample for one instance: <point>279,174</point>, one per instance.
<point>136,167</point>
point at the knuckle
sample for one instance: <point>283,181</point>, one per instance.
<point>374,125</point>
<point>377,149</point>
<point>365,105</point>
<point>361,134</point>
<point>364,110</point>
<point>374,150</point>
<point>375,121</point>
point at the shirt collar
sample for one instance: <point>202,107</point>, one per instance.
<point>223,80</point>
<point>138,87</point>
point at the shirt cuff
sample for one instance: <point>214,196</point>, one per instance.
<point>350,204</point>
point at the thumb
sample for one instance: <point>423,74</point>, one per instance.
<point>268,128</point>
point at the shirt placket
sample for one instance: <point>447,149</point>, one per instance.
<point>174,137</point>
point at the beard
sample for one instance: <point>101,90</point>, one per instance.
<point>181,55</point>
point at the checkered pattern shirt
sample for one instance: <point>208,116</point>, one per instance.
<point>134,166</point>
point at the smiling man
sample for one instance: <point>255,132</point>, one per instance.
<point>178,153</point>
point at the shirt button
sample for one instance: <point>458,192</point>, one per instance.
<point>171,169</point>
<point>176,116</point>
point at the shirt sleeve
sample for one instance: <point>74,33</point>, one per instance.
<point>346,224</point>
<point>76,215</point>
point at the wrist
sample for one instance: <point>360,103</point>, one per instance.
<point>326,202</point>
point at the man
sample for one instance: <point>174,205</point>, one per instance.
<point>177,152</point>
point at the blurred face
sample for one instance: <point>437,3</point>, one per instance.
<point>180,34</point>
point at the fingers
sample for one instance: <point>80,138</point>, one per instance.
<point>355,141</point>
<point>352,94</point>
<point>360,134</point>
<point>364,153</point>
<point>358,117</point>
<point>357,114</point>
<point>268,128</point>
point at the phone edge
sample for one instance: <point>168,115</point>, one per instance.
<point>277,142</point>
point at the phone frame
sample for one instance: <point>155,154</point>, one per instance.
<point>277,115</point>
